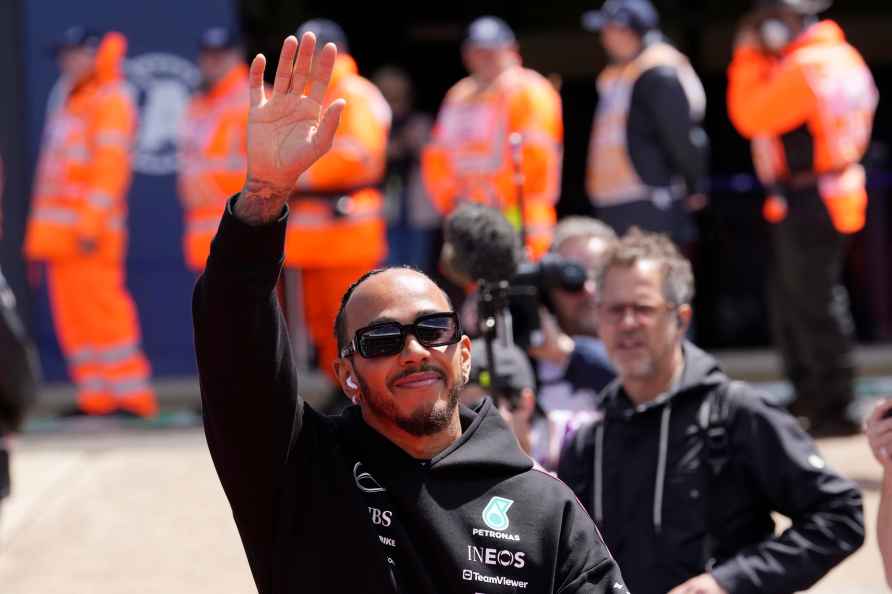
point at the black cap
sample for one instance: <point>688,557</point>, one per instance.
<point>638,15</point>
<point>76,37</point>
<point>806,7</point>
<point>489,32</point>
<point>512,365</point>
<point>219,38</point>
<point>326,31</point>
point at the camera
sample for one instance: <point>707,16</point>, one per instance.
<point>481,246</point>
<point>529,289</point>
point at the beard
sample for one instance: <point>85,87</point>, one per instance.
<point>423,421</point>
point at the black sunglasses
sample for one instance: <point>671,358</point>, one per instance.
<point>388,338</point>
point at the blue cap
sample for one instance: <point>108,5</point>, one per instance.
<point>326,31</point>
<point>489,32</point>
<point>638,15</point>
<point>219,38</point>
<point>75,37</point>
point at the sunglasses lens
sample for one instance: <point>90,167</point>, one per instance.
<point>437,330</point>
<point>381,341</point>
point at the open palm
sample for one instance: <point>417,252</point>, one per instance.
<point>287,131</point>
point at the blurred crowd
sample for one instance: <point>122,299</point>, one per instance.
<point>605,388</point>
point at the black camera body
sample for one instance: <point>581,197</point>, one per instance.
<point>529,289</point>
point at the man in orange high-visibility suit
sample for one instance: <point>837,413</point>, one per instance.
<point>806,99</point>
<point>336,229</point>
<point>471,156</point>
<point>213,142</point>
<point>78,227</point>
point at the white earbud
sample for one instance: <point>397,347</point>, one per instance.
<point>351,383</point>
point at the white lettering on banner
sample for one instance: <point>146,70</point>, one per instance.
<point>161,84</point>
<point>380,517</point>
<point>503,558</point>
<point>469,575</point>
<point>496,535</point>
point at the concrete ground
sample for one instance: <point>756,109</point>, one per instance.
<point>104,507</point>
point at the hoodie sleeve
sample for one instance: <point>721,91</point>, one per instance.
<point>585,566</point>
<point>252,411</point>
<point>825,508</point>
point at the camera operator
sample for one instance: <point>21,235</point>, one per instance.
<point>571,363</point>
<point>482,250</point>
<point>513,391</point>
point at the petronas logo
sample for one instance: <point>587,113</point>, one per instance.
<point>495,514</point>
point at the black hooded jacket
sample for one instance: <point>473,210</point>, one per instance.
<point>649,488</point>
<point>326,504</point>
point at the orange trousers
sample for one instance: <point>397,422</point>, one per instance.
<point>98,330</point>
<point>322,292</point>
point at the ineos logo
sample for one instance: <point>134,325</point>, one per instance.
<point>366,482</point>
<point>503,557</point>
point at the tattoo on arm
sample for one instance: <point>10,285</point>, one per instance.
<point>260,203</point>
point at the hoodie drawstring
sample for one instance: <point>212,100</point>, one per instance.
<point>661,467</point>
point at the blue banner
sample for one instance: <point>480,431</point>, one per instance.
<point>162,47</point>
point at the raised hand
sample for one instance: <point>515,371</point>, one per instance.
<point>878,428</point>
<point>287,131</point>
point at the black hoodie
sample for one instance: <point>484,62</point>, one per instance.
<point>648,487</point>
<point>326,504</point>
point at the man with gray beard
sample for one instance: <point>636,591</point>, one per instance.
<point>684,468</point>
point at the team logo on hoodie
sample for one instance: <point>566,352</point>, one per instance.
<point>495,514</point>
<point>365,482</point>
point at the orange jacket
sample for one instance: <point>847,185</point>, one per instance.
<point>213,152</point>
<point>84,171</point>
<point>820,85</point>
<point>470,155</point>
<point>355,235</point>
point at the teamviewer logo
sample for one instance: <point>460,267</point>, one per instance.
<point>467,575</point>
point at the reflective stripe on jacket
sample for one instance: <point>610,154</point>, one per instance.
<point>809,115</point>
<point>84,169</point>
<point>331,232</point>
<point>611,176</point>
<point>213,153</point>
<point>470,155</point>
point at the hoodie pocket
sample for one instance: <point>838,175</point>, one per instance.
<point>685,504</point>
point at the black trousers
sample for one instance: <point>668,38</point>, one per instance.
<point>812,325</point>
